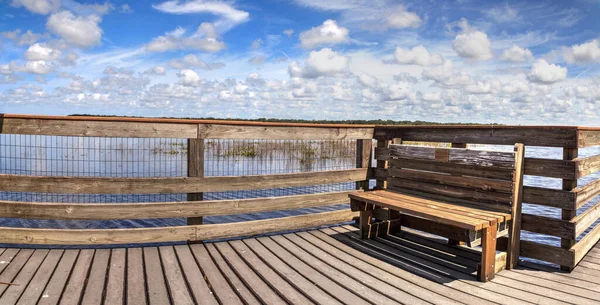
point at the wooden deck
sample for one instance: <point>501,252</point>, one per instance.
<point>326,266</point>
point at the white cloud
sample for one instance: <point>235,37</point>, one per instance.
<point>126,9</point>
<point>368,80</point>
<point>189,77</point>
<point>258,59</point>
<point>40,51</point>
<point>503,14</point>
<point>87,9</point>
<point>417,56</point>
<point>473,45</point>
<point>70,59</point>
<point>37,67</point>
<point>156,70</point>
<point>289,32</point>
<point>320,63</point>
<point>27,38</point>
<point>79,31</point>
<point>205,39</point>
<point>256,44</point>
<point>329,33</point>
<point>446,76</point>
<point>517,54</point>
<point>38,6</point>
<point>545,73</point>
<point>230,16</point>
<point>401,19</point>
<point>588,52</point>
<point>192,61</point>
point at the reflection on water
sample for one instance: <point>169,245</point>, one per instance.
<point>116,157</point>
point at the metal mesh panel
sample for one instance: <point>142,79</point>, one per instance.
<point>165,157</point>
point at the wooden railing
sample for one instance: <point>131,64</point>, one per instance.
<point>196,131</point>
<point>571,168</point>
<point>568,199</point>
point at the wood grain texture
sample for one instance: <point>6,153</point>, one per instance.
<point>501,135</point>
<point>195,168</point>
<point>586,219</point>
<point>583,246</point>
<point>482,184</point>
<point>586,193</point>
<point>87,185</point>
<point>82,211</point>
<point>587,166</point>
<point>563,169</point>
<point>548,226</point>
<point>550,197</point>
<point>454,155</point>
<point>551,254</point>
<point>455,169</point>
<point>586,138</point>
<point>212,131</point>
<point>514,235</point>
<point>169,234</point>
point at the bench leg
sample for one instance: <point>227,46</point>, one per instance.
<point>486,269</point>
<point>365,223</point>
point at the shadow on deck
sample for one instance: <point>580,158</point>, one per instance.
<point>326,266</point>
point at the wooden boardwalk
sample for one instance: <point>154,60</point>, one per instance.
<point>326,266</point>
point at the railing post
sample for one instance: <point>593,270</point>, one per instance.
<point>195,169</point>
<point>452,241</point>
<point>568,185</point>
<point>363,160</point>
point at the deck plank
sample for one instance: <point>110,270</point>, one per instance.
<point>12,293</point>
<point>136,281</point>
<point>261,289</point>
<point>7,257</point>
<point>177,287</point>
<point>97,278</point>
<point>158,293</point>
<point>14,266</point>
<point>115,283</point>
<point>309,289</point>
<point>50,295</point>
<point>284,289</point>
<point>74,289</point>
<point>338,277</point>
<point>194,277</point>
<point>39,281</point>
<point>218,284</point>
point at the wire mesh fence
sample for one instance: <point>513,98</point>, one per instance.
<point>166,157</point>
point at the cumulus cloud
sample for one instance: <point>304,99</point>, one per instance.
<point>40,51</point>
<point>368,80</point>
<point>545,73</point>
<point>229,16</point>
<point>417,56</point>
<point>156,70</point>
<point>325,62</point>
<point>473,45</point>
<point>517,54</point>
<point>69,59</point>
<point>43,7</point>
<point>81,31</point>
<point>205,39</point>
<point>189,77</point>
<point>329,33</point>
<point>27,38</point>
<point>446,76</point>
<point>401,19</point>
<point>192,61</point>
<point>588,52</point>
<point>36,67</point>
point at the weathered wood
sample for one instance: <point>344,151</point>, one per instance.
<point>569,154</point>
<point>454,155</point>
<point>381,182</point>
<point>53,290</point>
<point>98,129</point>
<point>586,138</point>
<point>586,219</point>
<point>169,234</point>
<point>453,180</point>
<point>551,254</point>
<point>363,160</point>
<point>366,217</point>
<point>581,248</point>
<point>115,282</point>
<point>13,291</point>
<point>213,131</point>
<point>195,168</point>
<point>550,197</point>
<point>87,185</point>
<point>549,226</point>
<point>222,289</point>
<point>514,235</point>
<point>74,289</point>
<point>502,135</point>
<point>194,278</point>
<point>487,268</point>
<point>436,228</point>
<point>136,281</point>
<point>450,168</point>
<point>586,193</point>
<point>563,169</point>
<point>178,290</point>
<point>43,210</point>
<point>587,166</point>
<point>94,289</point>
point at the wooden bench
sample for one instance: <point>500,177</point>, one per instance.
<point>462,194</point>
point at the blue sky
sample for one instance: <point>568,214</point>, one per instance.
<point>452,61</point>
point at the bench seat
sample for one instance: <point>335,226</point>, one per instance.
<point>462,216</point>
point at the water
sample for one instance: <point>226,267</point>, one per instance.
<point>117,157</point>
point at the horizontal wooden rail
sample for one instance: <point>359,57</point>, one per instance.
<point>587,166</point>
<point>582,247</point>
<point>88,185</point>
<point>99,211</point>
<point>549,226</point>
<point>169,234</point>
<point>586,193</point>
<point>499,135</point>
<point>586,219</point>
<point>179,130</point>
<point>552,254</point>
<point>549,197</point>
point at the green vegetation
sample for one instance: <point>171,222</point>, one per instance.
<point>248,151</point>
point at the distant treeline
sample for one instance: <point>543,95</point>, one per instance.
<point>367,122</point>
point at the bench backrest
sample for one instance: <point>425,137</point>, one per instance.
<point>489,179</point>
